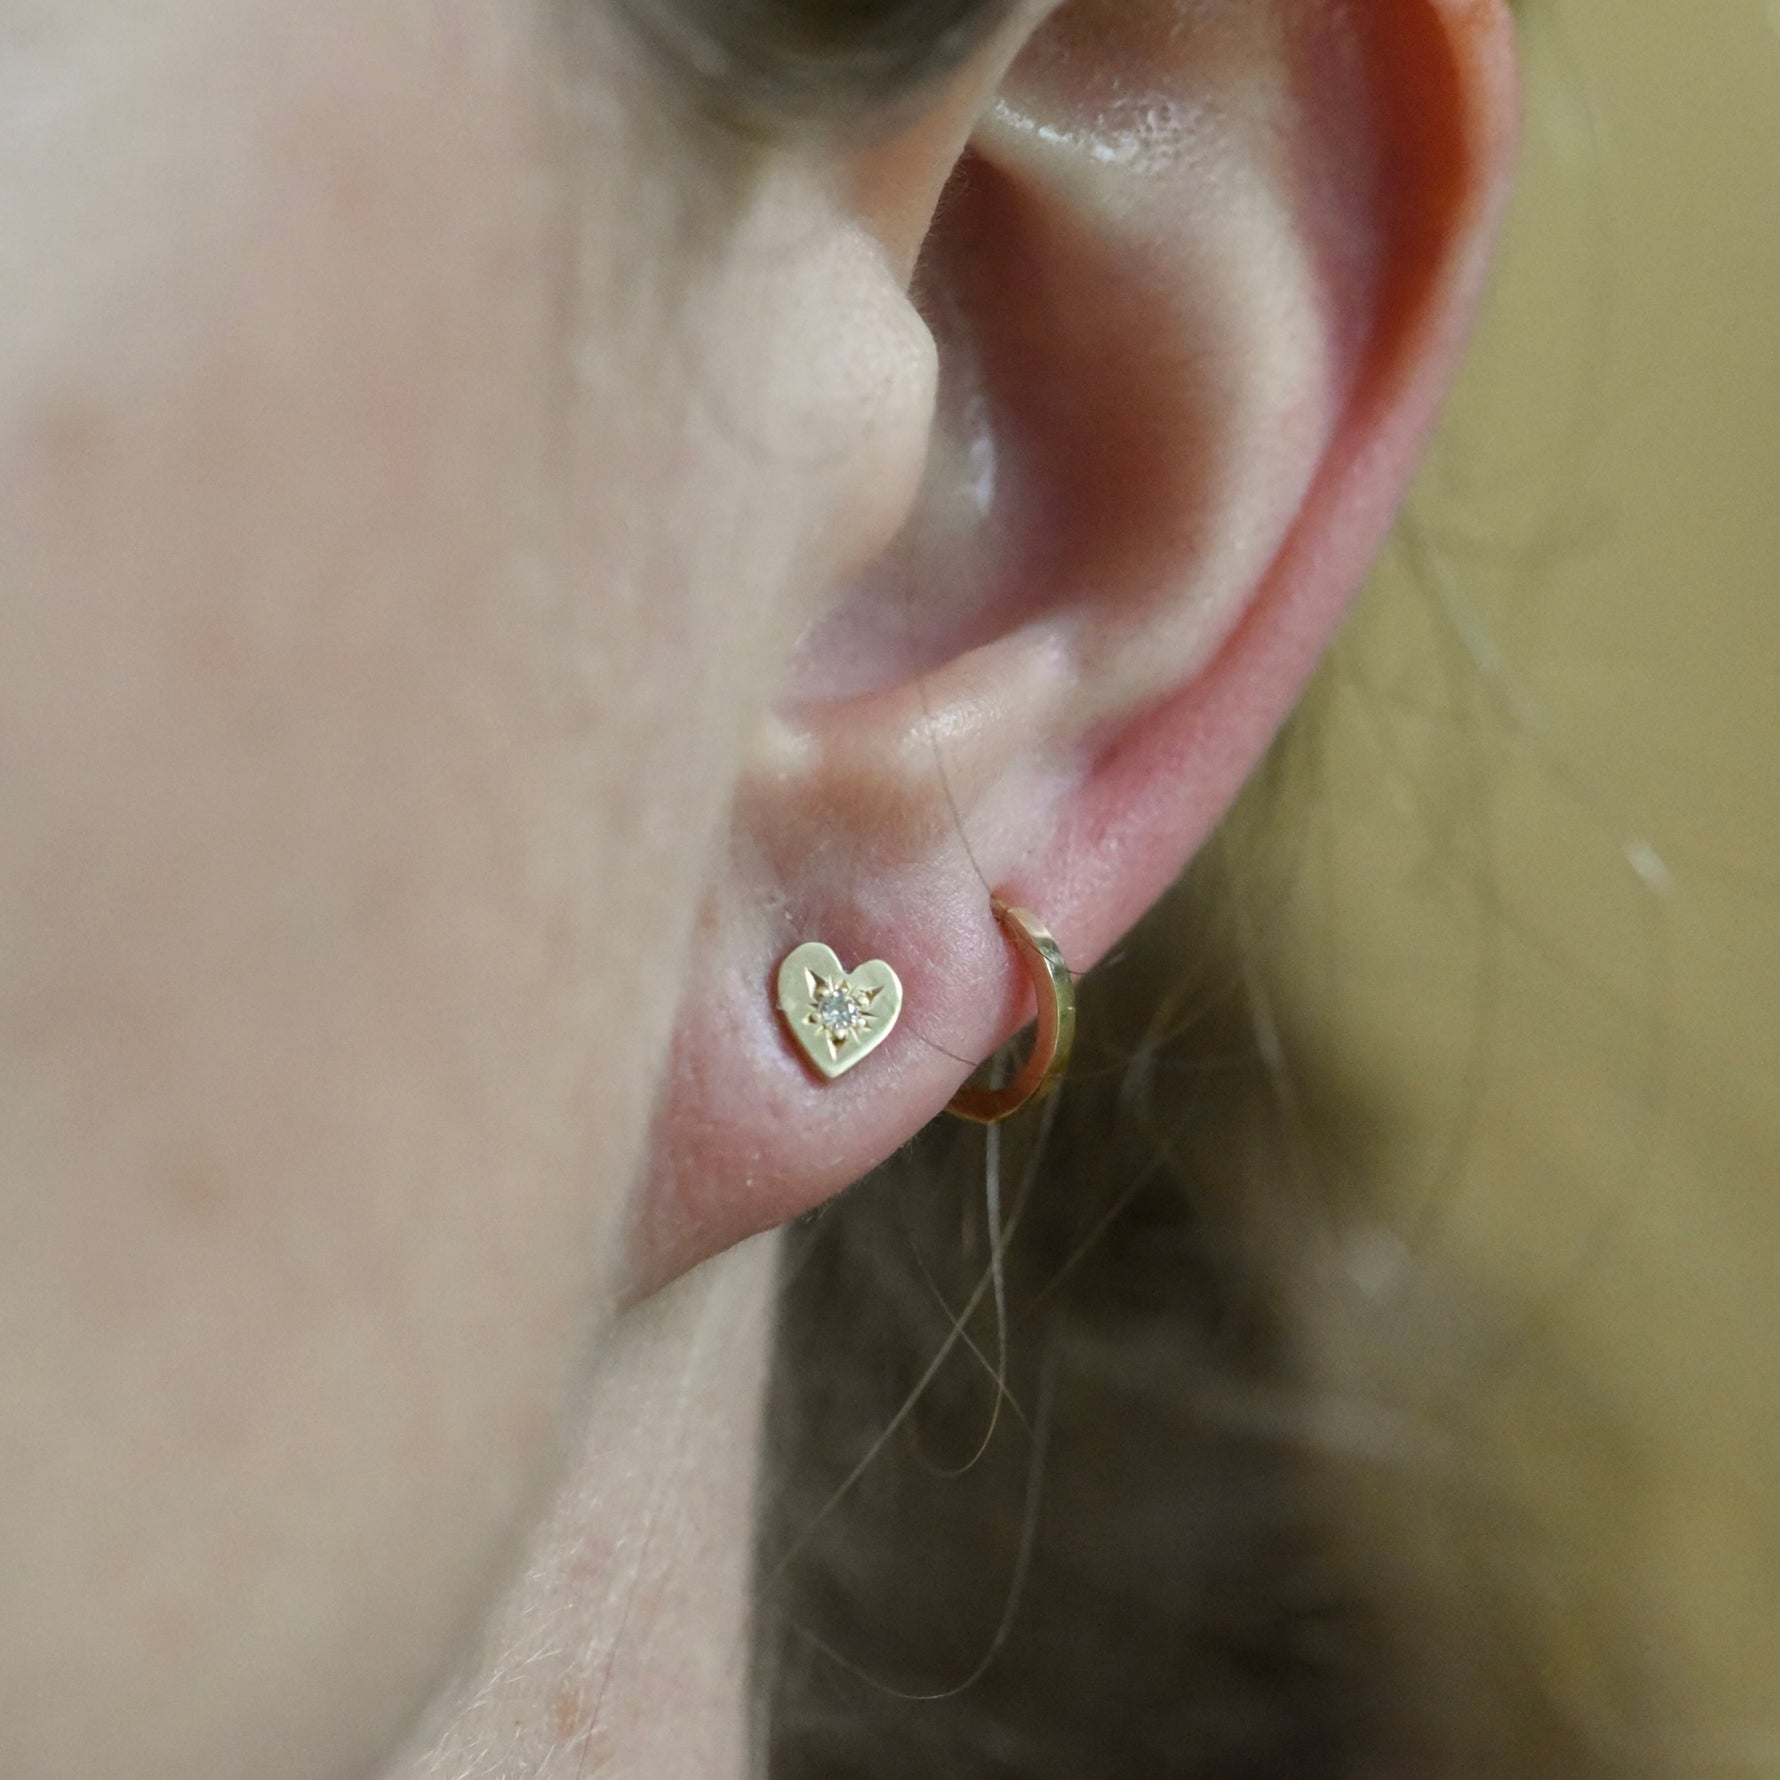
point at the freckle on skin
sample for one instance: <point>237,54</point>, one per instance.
<point>568,1712</point>
<point>211,650</point>
<point>590,1564</point>
<point>196,1189</point>
<point>69,435</point>
<point>531,1423</point>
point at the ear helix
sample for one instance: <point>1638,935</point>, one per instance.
<point>838,1017</point>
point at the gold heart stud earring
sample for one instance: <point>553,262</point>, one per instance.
<point>837,1016</point>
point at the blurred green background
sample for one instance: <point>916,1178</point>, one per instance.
<point>1535,905</point>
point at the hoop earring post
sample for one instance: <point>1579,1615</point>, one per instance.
<point>1055,989</point>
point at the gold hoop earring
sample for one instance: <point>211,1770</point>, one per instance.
<point>1055,989</point>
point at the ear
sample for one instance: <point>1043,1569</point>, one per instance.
<point>1199,276</point>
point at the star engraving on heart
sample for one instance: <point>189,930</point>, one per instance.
<point>837,1016</point>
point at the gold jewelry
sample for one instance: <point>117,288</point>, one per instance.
<point>1055,988</point>
<point>838,1016</point>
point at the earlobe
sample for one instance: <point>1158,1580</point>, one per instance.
<point>1198,283</point>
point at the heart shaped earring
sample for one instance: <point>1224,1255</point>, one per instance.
<point>837,1016</point>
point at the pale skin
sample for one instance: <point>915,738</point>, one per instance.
<point>412,775</point>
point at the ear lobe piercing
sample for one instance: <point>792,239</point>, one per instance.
<point>838,1017</point>
<point>1049,1058</point>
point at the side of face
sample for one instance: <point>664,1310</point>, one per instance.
<point>469,615</point>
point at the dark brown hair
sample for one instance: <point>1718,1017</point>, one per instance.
<point>769,65</point>
<point>1062,1480</point>
<point>1155,1485</point>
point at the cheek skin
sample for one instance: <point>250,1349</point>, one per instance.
<point>383,695</point>
<point>292,1264</point>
